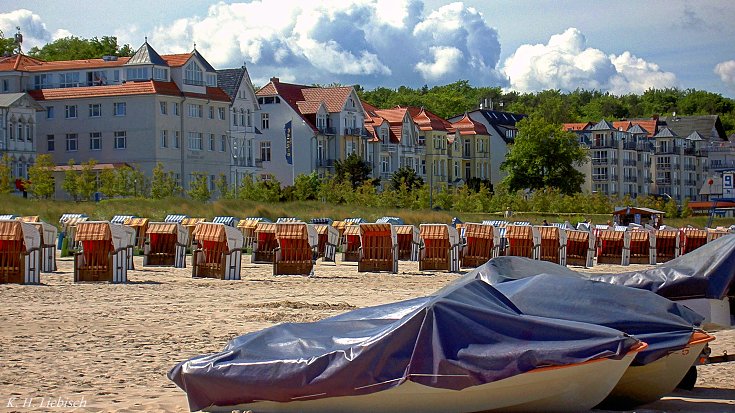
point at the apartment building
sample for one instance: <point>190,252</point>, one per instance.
<point>140,110</point>
<point>244,109</point>
<point>470,151</point>
<point>436,133</point>
<point>306,129</point>
<point>501,128</point>
<point>18,131</point>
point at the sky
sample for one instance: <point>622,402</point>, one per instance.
<point>522,45</point>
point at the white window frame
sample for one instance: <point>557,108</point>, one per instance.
<point>265,121</point>
<point>164,138</point>
<point>72,142</point>
<point>265,151</point>
<point>95,137</point>
<point>95,110</point>
<point>70,112</point>
<point>120,140</point>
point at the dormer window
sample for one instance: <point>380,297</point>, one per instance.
<point>193,75</point>
<point>211,80</point>
<point>137,73</point>
<point>160,73</point>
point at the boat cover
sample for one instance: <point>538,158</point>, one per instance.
<point>465,335</point>
<point>707,272</point>
<point>665,325</point>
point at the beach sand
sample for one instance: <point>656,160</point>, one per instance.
<point>110,346</point>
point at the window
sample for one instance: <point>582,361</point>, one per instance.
<point>96,78</point>
<point>249,118</point>
<point>221,113</point>
<point>176,108</point>
<point>384,164</point>
<point>177,139</point>
<point>95,141</point>
<point>12,131</point>
<point>137,73</point>
<point>95,110</point>
<point>264,121</point>
<point>211,80</point>
<point>121,140</point>
<point>242,117</point>
<point>195,111</point>
<point>29,132</point>
<point>223,143</point>
<point>20,131</point>
<point>6,85</point>
<point>234,117</point>
<point>164,139</point>
<point>193,75</point>
<point>211,112</point>
<point>116,76</point>
<point>42,81</point>
<point>265,151</point>
<point>119,108</point>
<point>69,79</point>
<point>211,141</point>
<point>50,144</point>
<point>212,182</point>
<point>164,107</point>
<point>71,142</point>
<point>195,141</point>
<point>70,111</point>
<point>160,73</point>
<point>49,112</point>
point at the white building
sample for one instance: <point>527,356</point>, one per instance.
<point>18,131</point>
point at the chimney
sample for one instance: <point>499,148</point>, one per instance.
<point>274,80</point>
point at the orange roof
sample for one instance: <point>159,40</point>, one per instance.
<point>148,87</point>
<point>648,124</point>
<point>176,60</point>
<point>577,126</point>
<point>29,64</point>
<point>427,121</point>
<point>18,62</point>
<point>334,98</point>
<point>395,118</point>
<point>467,126</point>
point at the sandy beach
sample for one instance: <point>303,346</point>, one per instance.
<point>109,347</point>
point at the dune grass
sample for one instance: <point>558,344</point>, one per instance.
<point>156,210</point>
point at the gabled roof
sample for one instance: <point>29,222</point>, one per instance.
<point>310,107</point>
<point>467,126</point>
<point>709,126</point>
<point>428,121</point>
<point>637,129</point>
<point>395,118</point>
<point>146,55</point>
<point>334,98</point>
<point>176,60</point>
<point>666,133</point>
<point>17,62</point>
<point>229,80</point>
<point>603,125</point>
<point>148,87</point>
<point>577,126</point>
<point>498,117</point>
<point>9,99</point>
<point>695,136</point>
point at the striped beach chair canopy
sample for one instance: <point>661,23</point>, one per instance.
<point>521,223</point>
<point>251,222</point>
<point>7,217</point>
<point>354,221</point>
<point>601,226</point>
<point>620,228</point>
<point>120,219</point>
<point>327,221</point>
<point>287,219</point>
<point>389,220</point>
<point>495,223</point>
<point>67,217</point>
<point>175,218</point>
<point>30,218</point>
<point>229,221</point>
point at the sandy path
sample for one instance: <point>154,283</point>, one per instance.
<point>114,344</point>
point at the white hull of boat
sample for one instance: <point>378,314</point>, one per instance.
<point>565,388</point>
<point>646,384</point>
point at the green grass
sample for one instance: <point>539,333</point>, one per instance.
<point>156,210</point>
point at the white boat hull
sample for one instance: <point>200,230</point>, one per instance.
<point>566,388</point>
<point>646,384</point>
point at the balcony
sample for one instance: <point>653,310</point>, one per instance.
<point>690,151</point>
<point>663,166</point>
<point>669,150</point>
<point>644,146</point>
<point>689,167</point>
<point>646,164</point>
<point>420,150</point>
<point>629,162</point>
<point>361,132</point>
<point>603,144</point>
<point>194,82</point>
<point>598,178</point>
<point>325,163</point>
<point>388,147</point>
<point>663,181</point>
<point>599,161</point>
<point>630,179</point>
<point>690,182</point>
<point>631,146</point>
<point>328,130</point>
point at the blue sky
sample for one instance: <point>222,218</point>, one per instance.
<point>622,46</point>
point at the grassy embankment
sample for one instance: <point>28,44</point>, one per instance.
<point>156,210</point>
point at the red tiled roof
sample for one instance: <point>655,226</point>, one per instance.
<point>467,126</point>
<point>395,118</point>
<point>648,124</point>
<point>576,126</point>
<point>18,62</point>
<point>427,121</point>
<point>148,87</point>
<point>309,107</point>
<point>176,60</point>
<point>29,64</point>
<point>334,98</point>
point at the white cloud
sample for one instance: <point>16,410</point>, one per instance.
<point>567,63</point>
<point>372,42</point>
<point>33,29</point>
<point>726,71</point>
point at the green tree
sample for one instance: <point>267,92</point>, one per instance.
<point>76,48</point>
<point>405,176</point>
<point>7,45</point>
<point>87,180</point>
<point>199,190</point>
<point>41,177</point>
<point>163,184</point>
<point>352,169</point>
<point>686,210</point>
<point>224,190</point>
<point>671,209</point>
<point>71,184</point>
<point>6,175</point>
<point>544,155</point>
<point>306,187</point>
<point>141,184</point>
<point>108,178</point>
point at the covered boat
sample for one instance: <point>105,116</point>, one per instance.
<point>467,348</point>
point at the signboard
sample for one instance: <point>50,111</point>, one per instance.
<point>289,142</point>
<point>728,189</point>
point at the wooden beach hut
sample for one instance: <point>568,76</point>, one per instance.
<point>692,238</point>
<point>481,243</point>
<point>409,242</point>
<point>247,227</point>
<point>68,224</point>
<point>581,247</point>
<point>553,244</point>
<point>165,245</point>
<point>104,252</point>
<point>218,253</point>
<point>378,248</point>
<point>667,243</point>
<point>351,246</point>
<point>265,243</point>
<point>140,225</point>
<point>328,241</point>
<point>714,233</point>
<point>20,254</point>
<point>296,251</point>
<point>523,241</point>
<point>642,246</point>
<point>30,219</point>
<point>190,224</point>
<point>440,248</point>
<point>613,247</point>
